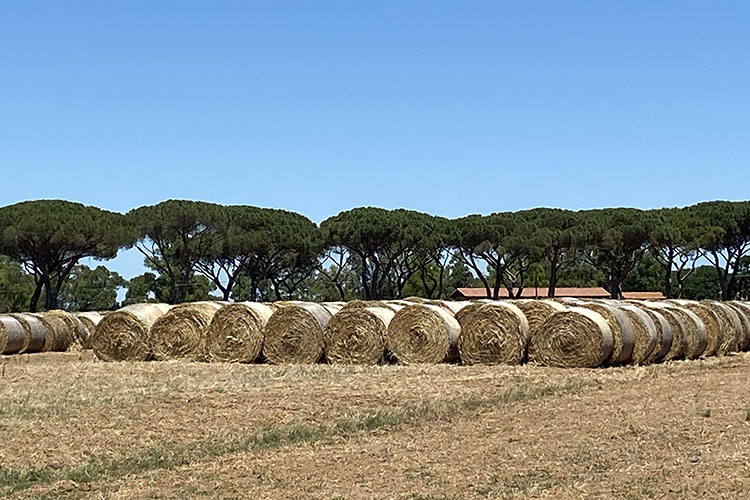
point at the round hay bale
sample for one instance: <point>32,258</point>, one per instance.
<point>694,330</point>
<point>677,326</point>
<point>422,333</point>
<point>743,311</point>
<point>536,312</point>
<point>663,332</point>
<point>181,333</point>
<point>415,300</point>
<point>294,333</point>
<point>645,336</point>
<point>492,333</point>
<point>73,326</point>
<point>235,334</point>
<point>356,335</point>
<point>60,337</point>
<point>88,321</point>
<point>730,325</point>
<point>621,328</point>
<point>36,331</point>
<point>123,334</point>
<point>576,337</point>
<point>711,325</point>
<point>12,335</point>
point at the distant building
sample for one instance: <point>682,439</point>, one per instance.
<point>562,291</point>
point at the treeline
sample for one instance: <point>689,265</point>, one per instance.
<point>195,249</point>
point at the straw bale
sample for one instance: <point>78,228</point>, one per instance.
<point>730,325</point>
<point>60,337</point>
<point>645,336</point>
<point>492,333</point>
<point>743,311</point>
<point>12,335</point>
<point>235,334</point>
<point>294,333</point>
<point>422,333</point>
<point>123,334</point>
<point>536,312</point>
<point>181,332</point>
<point>88,321</point>
<point>356,335</point>
<point>35,330</point>
<point>663,332</point>
<point>621,328</point>
<point>576,337</point>
<point>710,321</point>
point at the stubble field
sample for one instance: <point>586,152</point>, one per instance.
<point>73,427</point>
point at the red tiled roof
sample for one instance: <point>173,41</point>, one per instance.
<point>533,292</point>
<point>643,295</point>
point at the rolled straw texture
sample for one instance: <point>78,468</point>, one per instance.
<point>574,338</point>
<point>621,328</point>
<point>294,333</point>
<point>60,337</point>
<point>536,312</point>
<point>36,332</point>
<point>677,326</point>
<point>12,335</point>
<point>710,322</point>
<point>422,333</point>
<point>356,335</point>
<point>730,325</point>
<point>235,334</point>
<point>695,332</point>
<point>645,336</point>
<point>743,311</point>
<point>123,334</point>
<point>663,332</point>
<point>88,321</point>
<point>181,332</point>
<point>493,333</point>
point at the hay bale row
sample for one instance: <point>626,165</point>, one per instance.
<point>409,331</point>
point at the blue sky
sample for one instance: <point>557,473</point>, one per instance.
<point>315,106</point>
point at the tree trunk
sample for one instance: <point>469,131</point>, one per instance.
<point>34,304</point>
<point>668,274</point>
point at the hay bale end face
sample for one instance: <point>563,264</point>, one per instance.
<point>356,335</point>
<point>743,311</point>
<point>60,337</point>
<point>536,313</point>
<point>574,338</point>
<point>492,333</point>
<point>663,332</point>
<point>123,334</point>
<point>181,332</point>
<point>708,325</point>
<point>235,334</point>
<point>88,322</point>
<point>294,333</point>
<point>730,325</point>
<point>12,335</point>
<point>694,330</point>
<point>422,333</point>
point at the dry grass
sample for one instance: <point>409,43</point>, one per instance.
<point>73,427</point>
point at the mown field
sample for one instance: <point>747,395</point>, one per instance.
<point>73,427</point>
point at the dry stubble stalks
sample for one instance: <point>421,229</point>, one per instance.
<point>13,337</point>
<point>294,333</point>
<point>492,333</point>
<point>574,338</point>
<point>621,328</point>
<point>422,333</point>
<point>356,334</point>
<point>235,334</point>
<point>123,334</point>
<point>35,330</point>
<point>181,332</point>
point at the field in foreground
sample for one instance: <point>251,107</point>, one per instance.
<point>72,427</point>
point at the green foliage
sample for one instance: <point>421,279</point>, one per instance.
<point>702,284</point>
<point>174,236</point>
<point>91,289</point>
<point>50,236</point>
<point>645,276</point>
<point>16,286</point>
<point>149,287</point>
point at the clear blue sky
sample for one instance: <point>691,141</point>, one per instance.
<point>445,107</point>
